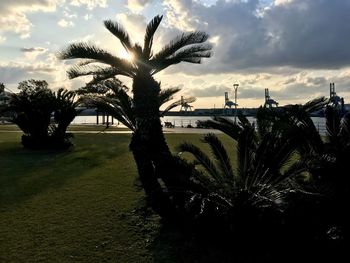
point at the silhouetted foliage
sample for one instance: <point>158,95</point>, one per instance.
<point>251,198</point>
<point>141,111</point>
<point>32,110</point>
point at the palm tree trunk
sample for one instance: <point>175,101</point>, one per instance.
<point>156,197</point>
<point>151,152</point>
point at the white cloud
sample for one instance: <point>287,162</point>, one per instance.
<point>88,16</point>
<point>69,15</point>
<point>180,15</point>
<point>282,2</point>
<point>137,6</point>
<point>2,39</point>
<point>65,23</point>
<point>90,4</point>
<point>86,38</point>
<point>13,14</point>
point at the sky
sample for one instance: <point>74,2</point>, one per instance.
<point>295,48</point>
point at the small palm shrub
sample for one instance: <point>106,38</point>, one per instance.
<point>249,200</point>
<point>32,108</point>
<point>42,115</point>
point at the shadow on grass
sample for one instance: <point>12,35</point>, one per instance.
<point>170,243</point>
<point>26,173</point>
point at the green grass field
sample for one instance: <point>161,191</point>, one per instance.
<point>81,205</point>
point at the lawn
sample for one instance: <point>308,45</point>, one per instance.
<point>81,205</point>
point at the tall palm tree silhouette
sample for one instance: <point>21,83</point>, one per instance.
<point>151,153</point>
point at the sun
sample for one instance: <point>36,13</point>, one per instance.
<point>125,55</point>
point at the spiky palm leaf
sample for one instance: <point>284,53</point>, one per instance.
<point>182,41</point>
<point>221,156</point>
<point>65,109</point>
<point>91,52</point>
<point>166,95</point>
<point>202,158</point>
<point>117,30</point>
<point>223,124</point>
<point>176,104</point>
<point>148,42</point>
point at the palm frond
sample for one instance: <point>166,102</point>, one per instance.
<point>195,52</point>
<point>245,153</point>
<point>176,104</point>
<point>223,124</point>
<point>192,54</point>
<point>91,52</point>
<point>202,158</point>
<point>119,109</point>
<point>150,30</point>
<point>315,105</point>
<point>166,95</point>
<point>220,154</point>
<point>118,30</point>
<point>179,42</point>
<point>243,121</point>
<point>99,73</point>
<point>295,169</point>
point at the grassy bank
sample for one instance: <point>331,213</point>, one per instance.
<point>79,206</point>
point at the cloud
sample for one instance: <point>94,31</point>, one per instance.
<point>69,15</point>
<point>317,81</point>
<point>294,34</point>
<point>90,4</point>
<point>50,69</point>
<point>13,14</point>
<point>88,16</point>
<point>15,72</point>
<point>137,6</point>
<point>2,39</point>
<point>65,23</point>
<point>282,2</point>
<point>179,14</point>
<point>211,91</point>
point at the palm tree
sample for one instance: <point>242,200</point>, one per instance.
<point>150,150</point>
<point>254,193</point>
